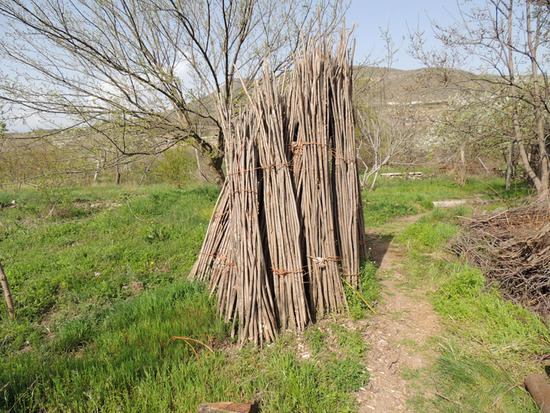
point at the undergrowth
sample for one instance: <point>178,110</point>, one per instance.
<point>99,288</point>
<point>361,301</point>
<point>126,362</point>
<point>104,248</point>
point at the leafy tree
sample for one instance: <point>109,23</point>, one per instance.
<point>178,166</point>
<point>474,128</point>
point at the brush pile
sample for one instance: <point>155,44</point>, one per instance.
<point>288,225</point>
<point>513,249</point>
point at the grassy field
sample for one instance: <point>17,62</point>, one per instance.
<point>99,284</point>
<point>398,197</point>
<point>100,289</point>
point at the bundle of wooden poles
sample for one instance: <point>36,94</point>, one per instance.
<point>288,228</point>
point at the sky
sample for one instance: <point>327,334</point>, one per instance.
<point>400,17</point>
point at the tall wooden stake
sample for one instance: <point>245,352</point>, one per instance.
<point>7,294</point>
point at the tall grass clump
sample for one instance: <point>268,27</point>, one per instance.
<point>128,363</point>
<point>106,360</point>
<point>362,299</point>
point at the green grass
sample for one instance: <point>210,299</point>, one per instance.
<point>430,232</point>
<point>80,262</point>
<point>99,287</point>
<point>399,197</point>
<point>113,358</point>
<point>99,293</point>
<point>369,291</point>
<point>126,362</point>
<point>488,345</point>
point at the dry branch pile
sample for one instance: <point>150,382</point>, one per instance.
<point>288,224</point>
<point>512,248</point>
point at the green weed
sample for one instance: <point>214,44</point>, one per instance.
<point>348,374</point>
<point>467,383</point>
<point>369,291</point>
<point>395,198</point>
<point>316,339</point>
<point>60,268</point>
<point>351,342</point>
<point>102,361</point>
<point>99,292</point>
<point>430,232</point>
<point>503,327</point>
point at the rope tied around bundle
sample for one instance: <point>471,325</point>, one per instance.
<point>321,261</point>
<point>279,165</point>
<point>280,272</point>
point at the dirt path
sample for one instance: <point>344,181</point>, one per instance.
<point>398,333</point>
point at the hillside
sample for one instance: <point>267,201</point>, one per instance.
<point>427,86</point>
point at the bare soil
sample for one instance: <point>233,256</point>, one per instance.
<point>399,332</point>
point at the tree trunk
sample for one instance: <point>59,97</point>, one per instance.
<point>216,164</point>
<point>510,165</point>
<point>117,174</point>
<point>525,159</point>
<point>374,179</point>
<point>7,294</point>
<point>533,43</point>
<point>462,173</point>
<point>515,115</point>
<point>96,173</point>
<point>214,156</point>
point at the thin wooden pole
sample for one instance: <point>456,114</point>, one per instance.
<point>7,294</point>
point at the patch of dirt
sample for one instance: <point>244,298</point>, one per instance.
<point>398,333</point>
<point>135,287</point>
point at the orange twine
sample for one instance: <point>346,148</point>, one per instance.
<point>215,256</point>
<point>346,160</point>
<point>280,272</point>
<point>299,146</point>
<point>251,191</point>
<point>275,165</point>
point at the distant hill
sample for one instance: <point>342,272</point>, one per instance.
<point>426,86</point>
